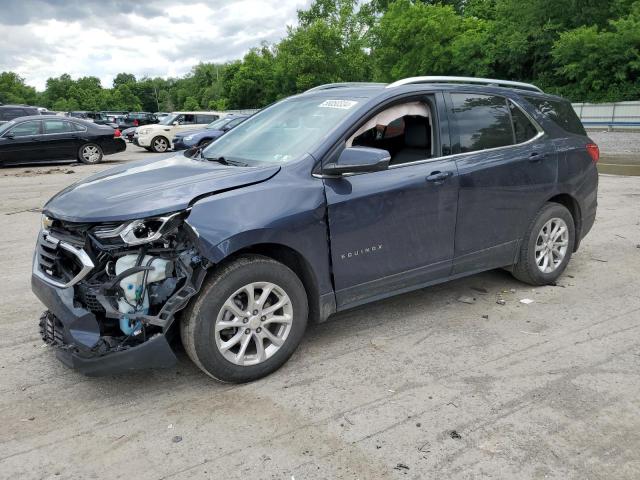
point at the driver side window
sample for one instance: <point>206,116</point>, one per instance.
<point>404,130</point>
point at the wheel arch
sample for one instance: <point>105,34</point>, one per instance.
<point>294,260</point>
<point>571,204</point>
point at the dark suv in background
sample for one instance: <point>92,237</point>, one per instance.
<point>136,119</point>
<point>9,112</point>
<point>321,202</point>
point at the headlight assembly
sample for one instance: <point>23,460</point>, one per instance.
<point>144,131</point>
<point>188,137</point>
<point>46,222</point>
<point>145,230</point>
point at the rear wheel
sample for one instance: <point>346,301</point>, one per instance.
<point>160,144</point>
<point>247,320</point>
<point>90,153</point>
<point>547,246</point>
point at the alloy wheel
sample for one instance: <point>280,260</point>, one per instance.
<point>91,153</point>
<point>254,323</point>
<point>160,145</point>
<point>551,245</point>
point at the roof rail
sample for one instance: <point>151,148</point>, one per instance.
<point>330,86</point>
<point>483,81</point>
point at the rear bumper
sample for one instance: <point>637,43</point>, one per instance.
<point>116,146</point>
<point>75,333</point>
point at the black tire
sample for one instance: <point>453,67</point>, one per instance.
<point>160,144</point>
<point>90,153</point>
<point>526,269</point>
<point>197,327</point>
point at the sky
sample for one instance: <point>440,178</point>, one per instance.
<point>101,38</point>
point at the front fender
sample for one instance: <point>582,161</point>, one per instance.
<point>288,209</point>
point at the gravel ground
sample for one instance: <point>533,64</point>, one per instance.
<point>418,386</point>
<point>616,142</point>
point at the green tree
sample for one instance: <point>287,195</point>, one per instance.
<point>14,90</point>
<point>600,64</point>
<point>124,79</point>
<point>415,39</point>
<point>191,103</point>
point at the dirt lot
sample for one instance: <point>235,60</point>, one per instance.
<point>419,386</point>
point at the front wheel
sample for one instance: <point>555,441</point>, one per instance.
<point>247,320</point>
<point>547,246</point>
<point>159,144</point>
<point>90,153</point>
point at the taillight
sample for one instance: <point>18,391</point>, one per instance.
<point>136,123</point>
<point>117,133</point>
<point>593,151</point>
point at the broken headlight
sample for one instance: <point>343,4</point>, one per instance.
<point>144,230</point>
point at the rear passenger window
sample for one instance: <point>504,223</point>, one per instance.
<point>57,126</point>
<point>560,112</point>
<point>523,129</point>
<point>483,121</point>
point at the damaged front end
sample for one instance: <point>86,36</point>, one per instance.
<point>113,289</point>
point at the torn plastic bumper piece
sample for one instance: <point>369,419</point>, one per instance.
<point>75,333</point>
<point>154,353</point>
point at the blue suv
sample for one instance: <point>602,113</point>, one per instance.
<point>342,195</point>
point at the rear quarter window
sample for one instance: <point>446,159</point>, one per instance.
<point>559,112</point>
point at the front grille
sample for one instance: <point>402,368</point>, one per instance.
<point>50,261</point>
<point>87,297</point>
<point>60,263</point>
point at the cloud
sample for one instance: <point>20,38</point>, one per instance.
<point>101,38</point>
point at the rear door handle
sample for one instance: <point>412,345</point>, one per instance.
<point>438,177</point>
<point>536,157</point>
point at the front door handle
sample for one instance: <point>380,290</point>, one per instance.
<point>438,177</point>
<point>536,157</point>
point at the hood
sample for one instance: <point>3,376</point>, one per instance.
<point>149,187</point>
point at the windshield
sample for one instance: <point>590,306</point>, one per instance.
<point>282,132</point>
<point>168,120</point>
<point>6,126</point>
<point>218,124</point>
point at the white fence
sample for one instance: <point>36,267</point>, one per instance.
<point>609,115</point>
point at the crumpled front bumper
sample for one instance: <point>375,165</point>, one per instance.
<point>78,333</point>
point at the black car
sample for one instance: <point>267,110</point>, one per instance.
<point>321,202</point>
<point>9,112</point>
<point>43,139</point>
<point>136,119</point>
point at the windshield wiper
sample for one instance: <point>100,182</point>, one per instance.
<point>224,161</point>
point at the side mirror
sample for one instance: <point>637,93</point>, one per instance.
<point>359,160</point>
<point>176,123</point>
<point>9,136</point>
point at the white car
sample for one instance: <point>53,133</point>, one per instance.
<point>158,137</point>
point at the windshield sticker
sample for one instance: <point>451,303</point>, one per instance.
<point>342,104</point>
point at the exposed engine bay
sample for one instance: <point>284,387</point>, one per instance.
<point>123,281</point>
